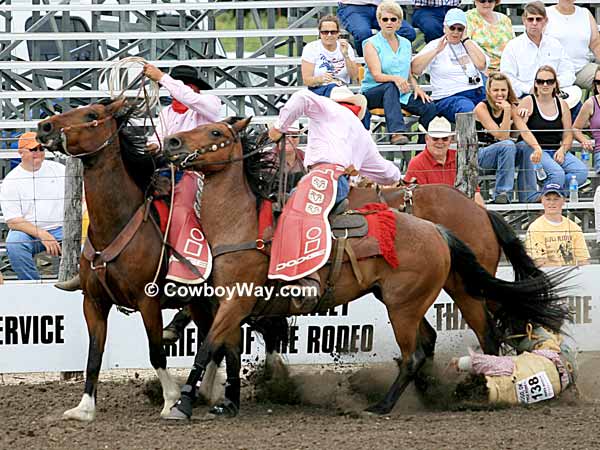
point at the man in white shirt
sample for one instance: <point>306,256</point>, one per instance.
<point>32,202</point>
<point>359,17</point>
<point>525,54</point>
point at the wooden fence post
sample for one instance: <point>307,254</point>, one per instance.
<point>71,245</point>
<point>467,169</point>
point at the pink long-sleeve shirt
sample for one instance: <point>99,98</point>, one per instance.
<point>203,108</point>
<point>336,136</point>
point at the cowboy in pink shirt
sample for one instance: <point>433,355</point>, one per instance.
<point>335,136</point>
<point>189,108</point>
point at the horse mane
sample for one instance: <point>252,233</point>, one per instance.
<point>260,168</point>
<point>140,165</point>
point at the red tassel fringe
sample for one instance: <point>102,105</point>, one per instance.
<point>382,226</point>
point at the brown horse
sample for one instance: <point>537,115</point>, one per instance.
<point>428,256</point>
<point>117,174</point>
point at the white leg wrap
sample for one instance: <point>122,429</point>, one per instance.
<point>85,411</point>
<point>170,390</point>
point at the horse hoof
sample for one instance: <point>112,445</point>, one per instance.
<point>79,414</point>
<point>377,409</point>
<point>224,409</point>
<point>175,414</point>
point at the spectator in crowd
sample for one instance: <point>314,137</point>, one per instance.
<point>429,15</point>
<point>526,53</point>
<point>454,63</point>
<point>32,201</point>
<point>589,118</point>
<point>388,82</point>
<point>552,239</point>
<point>437,163</point>
<point>359,17</point>
<point>577,31</point>
<point>329,61</point>
<point>545,366</point>
<point>597,214</point>
<point>491,30</point>
<point>549,118</point>
<point>499,114</point>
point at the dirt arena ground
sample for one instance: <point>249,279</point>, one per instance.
<point>328,415</point>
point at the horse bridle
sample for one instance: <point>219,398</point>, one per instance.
<point>235,137</point>
<point>92,124</point>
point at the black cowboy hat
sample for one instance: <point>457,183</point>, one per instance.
<point>189,74</point>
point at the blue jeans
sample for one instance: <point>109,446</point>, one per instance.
<point>460,102</point>
<point>387,96</point>
<point>430,20</point>
<point>343,188</point>
<point>504,157</point>
<point>561,173</point>
<point>359,20</point>
<point>596,161</point>
<point>21,249</point>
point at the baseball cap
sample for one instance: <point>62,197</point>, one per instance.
<point>28,140</point>
<point>552,188</point>
<point>455,16</point>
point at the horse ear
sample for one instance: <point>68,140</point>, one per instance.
<point>124,106</point>
<point>241,124</point>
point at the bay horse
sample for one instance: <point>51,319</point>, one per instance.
<point>117,177</point>
<point>429,254</point>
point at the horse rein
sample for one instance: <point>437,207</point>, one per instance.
<point>235,137</point>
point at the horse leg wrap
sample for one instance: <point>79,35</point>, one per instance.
<point>186,401</point>
<point>232,390</point>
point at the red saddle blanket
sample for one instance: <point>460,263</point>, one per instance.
<point>302,239</point>
<point>185,233</point>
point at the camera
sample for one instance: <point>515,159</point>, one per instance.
<point>475,80</point>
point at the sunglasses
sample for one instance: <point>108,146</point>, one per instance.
<point>389,19</point>
<point>456,28</point>
<point>443,139</point>
<point>486,1</point>
<point>596,82</point>
<point>329,32</point>
<point>548,82</point>
<point>39,148</point>
<point>534,19</point>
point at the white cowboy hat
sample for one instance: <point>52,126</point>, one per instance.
<point>438,128</point>
<point>341,94</point>
<point>571,95</point>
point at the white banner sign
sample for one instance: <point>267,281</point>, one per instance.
<point>43,329</point>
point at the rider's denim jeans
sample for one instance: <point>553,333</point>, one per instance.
<point>21,249</point>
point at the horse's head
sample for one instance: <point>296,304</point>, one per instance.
<point>86,130</point>
<point>207,148</point>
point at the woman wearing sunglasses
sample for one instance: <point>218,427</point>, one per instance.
<point>454,63</point>
<point>329,61</point>
<point>491,30</point>
<point>549,119</point>
<point>589,117</point>
<point>577,31</point>
<point>388,83</point>
<point>498,114</point>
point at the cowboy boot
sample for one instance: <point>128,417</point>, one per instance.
<point>72,285</point>
<point>173,332</point>
<point>308,302</point>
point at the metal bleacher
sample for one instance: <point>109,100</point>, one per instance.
<point>52,56</point>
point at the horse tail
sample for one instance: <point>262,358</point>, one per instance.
<point>539,300</point>
<point>513,248</point>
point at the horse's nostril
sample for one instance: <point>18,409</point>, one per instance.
<point>46,127</point>
<point>174,143</point>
